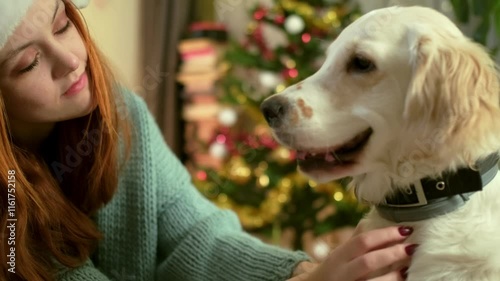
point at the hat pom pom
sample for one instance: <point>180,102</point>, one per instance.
<point>81,3</point>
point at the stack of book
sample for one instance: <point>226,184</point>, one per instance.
<point>200,71</point>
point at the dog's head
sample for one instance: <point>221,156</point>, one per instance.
<point>402,94</point>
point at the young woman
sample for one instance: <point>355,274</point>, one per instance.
<point>90,191</point>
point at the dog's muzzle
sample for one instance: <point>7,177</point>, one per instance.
<point>275,110</point>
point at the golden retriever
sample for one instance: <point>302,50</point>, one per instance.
<point>407,106</point>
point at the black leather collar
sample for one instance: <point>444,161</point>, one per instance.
<point>431,197</point>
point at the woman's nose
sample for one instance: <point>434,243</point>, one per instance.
<point>65,61</point>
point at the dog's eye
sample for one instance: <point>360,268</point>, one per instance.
<point>360,65</point>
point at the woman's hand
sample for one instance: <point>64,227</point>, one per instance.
<point>372,254</point>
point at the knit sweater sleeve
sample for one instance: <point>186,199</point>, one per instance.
<point>197,240</point>
<point>87,272</point>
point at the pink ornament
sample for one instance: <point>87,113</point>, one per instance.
<point>252,142</point>
<point>306,38</point>
<point>221,138</point>
<point>201,175</point>
<point>279,19</point>
<point>268,55</point>
<point>292,73</point>
<point>259,14</point>
<point>268,141</point>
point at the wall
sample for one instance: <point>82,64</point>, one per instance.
<point>115,25</point>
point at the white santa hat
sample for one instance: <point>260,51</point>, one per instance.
<point>13,11</point>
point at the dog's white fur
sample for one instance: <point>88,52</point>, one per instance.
<point>433,105</point>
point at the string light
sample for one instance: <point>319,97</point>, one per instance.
<point>338,196</point>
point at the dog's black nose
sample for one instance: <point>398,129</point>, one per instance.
<point>274,110</point>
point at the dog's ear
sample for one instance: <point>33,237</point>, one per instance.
<point>453,79</point>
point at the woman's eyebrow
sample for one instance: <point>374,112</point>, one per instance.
<point>13,53</point>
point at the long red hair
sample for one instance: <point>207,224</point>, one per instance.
<point>54,199</point>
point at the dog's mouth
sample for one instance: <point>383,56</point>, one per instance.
<point>333,157</point>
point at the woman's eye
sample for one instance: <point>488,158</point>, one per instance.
<point>360,65</point>
<point>32,65</point>
<point>65,28</point>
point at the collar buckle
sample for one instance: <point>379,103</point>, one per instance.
<point>414,195</point>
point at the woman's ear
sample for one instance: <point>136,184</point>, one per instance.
<point>454,80</point>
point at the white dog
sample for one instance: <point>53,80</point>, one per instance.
<point>409,107</point>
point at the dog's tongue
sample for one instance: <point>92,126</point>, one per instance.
<point>329,157</point>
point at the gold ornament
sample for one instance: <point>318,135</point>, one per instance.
<point>260,169</point>
<point>239,171</point>
<point>333,189</point>
<point>319,23</point>
<point>224,202</point>
<point>280,88</point>
<point>330,16</point>
<point>298,179</point>
<point>222,198</point>
<point>305,10</point>
<point>285,185</point>
<point>283,198</point>
<point>240,97</point>
<point>336,24</point>
<point>263,181</point>
<point>289,63</point>
<point>269,210</point>
<point>251,27</point>
<point>253,112</point>
<point>261,130</point>
<point>287,4</point>
<point>250,217</point>
<point>277,10</point>
<point>312,184</point>
<point>281,155</point>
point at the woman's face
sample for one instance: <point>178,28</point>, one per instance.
<point>43,77</point>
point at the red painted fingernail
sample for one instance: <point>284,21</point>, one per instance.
<point>405,230</point>
<point>410,250</point>
<point>404,272</point>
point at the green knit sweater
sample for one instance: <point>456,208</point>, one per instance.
<point>159,227</point>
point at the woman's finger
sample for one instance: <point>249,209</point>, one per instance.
<point>391,276</point>
<point>372,240</point>
<point>380,259</point>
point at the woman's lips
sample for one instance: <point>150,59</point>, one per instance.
<point>78,86</point>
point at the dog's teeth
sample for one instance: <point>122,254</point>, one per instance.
<point>337,157</point>
<point>329,157</point>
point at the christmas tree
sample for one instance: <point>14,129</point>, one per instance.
<point>252,174</point>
